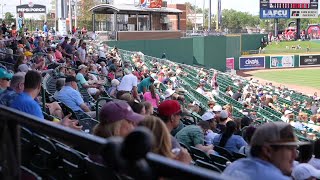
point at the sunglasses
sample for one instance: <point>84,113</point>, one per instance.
<point>6,79</point>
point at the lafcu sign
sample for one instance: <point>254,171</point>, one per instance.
<point>274,13</point>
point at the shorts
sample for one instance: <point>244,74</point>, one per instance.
<point>92,91</point>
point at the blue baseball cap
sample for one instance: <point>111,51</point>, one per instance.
<point>4,74</point>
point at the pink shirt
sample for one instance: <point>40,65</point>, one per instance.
<point>58,55</point>
<point>148,97</point>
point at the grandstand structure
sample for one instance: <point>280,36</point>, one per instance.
<point>39,148</point>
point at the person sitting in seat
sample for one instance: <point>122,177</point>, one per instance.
<point>228,140</point>
<point>193,135</point>
<point>273,151</point>
<point>72,98</point>
<point>93,89</point>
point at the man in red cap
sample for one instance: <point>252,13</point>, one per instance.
<point>170,112</point>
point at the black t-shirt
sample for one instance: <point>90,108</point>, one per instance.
<point>221,127</point>
<point>4,29</point>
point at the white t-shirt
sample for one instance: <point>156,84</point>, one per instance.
<point>209,137</point>
<point>128,82</point>
<point>82,54</point>
<point>315,162</point>
<point>201,91</point>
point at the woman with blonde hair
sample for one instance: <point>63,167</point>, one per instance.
<point>162,140</point>
<point>229,109</point>
<point>116,119</point>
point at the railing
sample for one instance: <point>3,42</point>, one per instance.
<point>132,153</point>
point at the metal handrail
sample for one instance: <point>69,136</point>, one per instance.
<point>11,119</point>
<point>97,105</point>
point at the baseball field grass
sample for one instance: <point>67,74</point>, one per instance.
<point>306,77</point>
<point>286,47</point>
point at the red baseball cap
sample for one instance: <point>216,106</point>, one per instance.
<point>169,107</point>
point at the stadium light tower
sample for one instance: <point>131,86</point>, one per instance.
<point>2,15</point>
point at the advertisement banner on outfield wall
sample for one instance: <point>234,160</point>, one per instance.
<point>229,63</point>
<point>309,60</point>
<point>281,61</point>
<point>257,62</point>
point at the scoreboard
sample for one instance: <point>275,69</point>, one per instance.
<point>274,9</point>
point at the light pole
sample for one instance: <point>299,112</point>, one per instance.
<point>75,13</point>
<point>2,16</point>
<point>70,17</point>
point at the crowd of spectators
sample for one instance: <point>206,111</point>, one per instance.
<point>150,94</point>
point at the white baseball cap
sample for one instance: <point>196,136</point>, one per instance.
<point>207,116</point>
<point>287,112</point>
<point>304,171</point>
<point>217,108</point>
<point>168,93</point>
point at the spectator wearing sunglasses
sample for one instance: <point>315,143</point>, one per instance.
<point>5,78</point>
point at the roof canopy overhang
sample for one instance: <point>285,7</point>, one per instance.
<point>131,9</point>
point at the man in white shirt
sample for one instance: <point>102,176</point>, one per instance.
<point>128,84</point>
<point>82,52</point>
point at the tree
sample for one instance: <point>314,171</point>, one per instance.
<point>236,21</point>
<point>84,16</point>
<point>8,16</point>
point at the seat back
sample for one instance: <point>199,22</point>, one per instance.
<point>27,174</point>
<point>46,157</point>
<point>208,166</point>
<point>26,136</point>
<point>217,159</point>
<point>223,152</point>
<point>88,124</point>
<point>198,154</point>
<point>185,146</point>
<point>98,171</point>
<point>72,162</point>
<point>46,147</point>
<point>237,156</point>
<point>27,145</point>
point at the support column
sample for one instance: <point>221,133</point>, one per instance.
<point>209,23</point>
<point>298,29</point>
<point>116,21</point>
<point>150,22</point>
<point>137,17</point>
<point>276,21</point>
<point>93,22</point>
<point>179,21</point>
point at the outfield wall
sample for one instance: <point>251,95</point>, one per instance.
<point>278,61</point>
<point>208,51</point>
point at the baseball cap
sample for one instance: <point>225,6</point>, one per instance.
<point>71,79</point>
<point>115,82</point>
<point>305,171</point>
<point>275,133</point>
<point>224,114</point>
<point>28,54</point>
<point>169,107</point>
<point>168,93</point>
<point>286,112</point>
<point>217,108</point>
<point>207,116</point>
<point>23,68</point>
<point>154,76</point>
<point>4,74</point>
<point>118,110</point>
<point>127,71</point>
<point>82,66</point>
